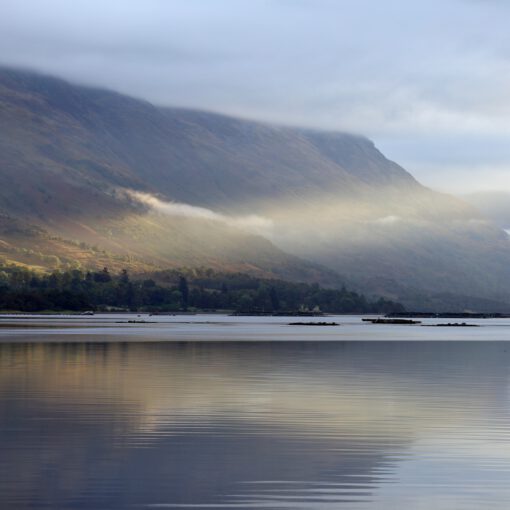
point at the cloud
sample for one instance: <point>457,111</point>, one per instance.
<point>252,223</point>
<point>350,72</point>
<point>391,70</point>
<point>387,220</point>
<point>465,178</point>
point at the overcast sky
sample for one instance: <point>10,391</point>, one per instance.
<point>429,81</point>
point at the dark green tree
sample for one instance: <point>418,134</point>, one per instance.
<point>184,290</point>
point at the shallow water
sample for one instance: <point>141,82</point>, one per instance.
<point>316,425</point>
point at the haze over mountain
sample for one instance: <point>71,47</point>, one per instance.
<point>492,204</point>
<point>157,187</point>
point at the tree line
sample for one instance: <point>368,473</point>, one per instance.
<point>172,291</point>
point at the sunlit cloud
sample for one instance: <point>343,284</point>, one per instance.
<point>252,223</point>
<point>387,220</point>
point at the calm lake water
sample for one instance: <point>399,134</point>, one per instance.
<point>100,415</point>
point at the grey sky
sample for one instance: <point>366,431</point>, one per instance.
<point>428,81</point>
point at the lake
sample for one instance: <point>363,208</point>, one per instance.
<point>222,412</point>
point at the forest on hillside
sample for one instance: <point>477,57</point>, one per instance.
<point>173,291</point>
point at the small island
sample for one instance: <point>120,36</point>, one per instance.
<point>314,324</point>
<point>391,321</point>
<point>454,325</point>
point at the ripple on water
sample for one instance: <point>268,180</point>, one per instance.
<point>291,425</point>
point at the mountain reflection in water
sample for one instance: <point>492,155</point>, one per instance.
<point>364,425</point>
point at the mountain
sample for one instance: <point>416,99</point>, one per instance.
<point>68,140</point>
<point>67,156</point>
<point>163,187</point>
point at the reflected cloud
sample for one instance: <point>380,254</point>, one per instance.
<point>318,425</point>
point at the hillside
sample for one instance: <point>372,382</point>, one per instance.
<point>63,162</point>
<point>72,156</point>
<point>80,143</point>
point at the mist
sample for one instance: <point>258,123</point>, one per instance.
<point>251,223</point>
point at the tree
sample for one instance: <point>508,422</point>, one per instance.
<point>103,276</point>
<point>275,301</point>
<point>124,277</point>
<point>184,290</point>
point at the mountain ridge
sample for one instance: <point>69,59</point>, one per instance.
<point>72,154</point>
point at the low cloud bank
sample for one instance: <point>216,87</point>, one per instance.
<point>252,223</point>
<point>387,220</point>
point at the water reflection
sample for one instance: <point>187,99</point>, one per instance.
<point>269,425</point>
